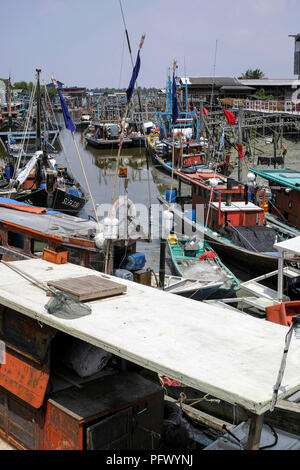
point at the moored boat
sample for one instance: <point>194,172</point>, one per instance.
<point>234,225</point>
<point>195,260</point>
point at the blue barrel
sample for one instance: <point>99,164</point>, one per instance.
<point>134,262</point>
<point>74,192</point>
<point>123,274</point>
<point>173,195</point>
<point>9,171</point>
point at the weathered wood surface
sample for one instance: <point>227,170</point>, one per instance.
<point>231,356</point>
<point>88,287</point>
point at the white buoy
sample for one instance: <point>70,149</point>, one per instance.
<point>213,182</point>
<point>99,240</point>
<point>107,228</point>
<point>250,177</point>
<point>167,223</point>
<point>114,229</point>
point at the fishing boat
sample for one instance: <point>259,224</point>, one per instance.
<point>195,260</point>
<point>41,182</point>
<point>284,200</point>
<point>106,135</point>
<point>233,225</point>
<point>188,155</point>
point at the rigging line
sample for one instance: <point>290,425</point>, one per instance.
<point>138,93</point>
<point>81,164</point>
<point>122,59</point>
<point>59,139</point>
<point>23,138</point>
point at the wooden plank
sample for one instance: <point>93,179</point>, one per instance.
<point>88,287</point>
<point>202,417</point>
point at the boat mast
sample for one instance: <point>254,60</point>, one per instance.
<point>38,143</point>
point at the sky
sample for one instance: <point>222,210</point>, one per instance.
<point>82,42</point>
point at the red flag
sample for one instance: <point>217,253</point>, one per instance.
<point>205,111</point>
<point>240,150</point>
<point>229,116</point>
<point>189,105</point>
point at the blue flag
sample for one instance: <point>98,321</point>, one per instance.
<point>66,114</point>
<point>133,78</point>
<point>222,139</point>
<point>174,101</point>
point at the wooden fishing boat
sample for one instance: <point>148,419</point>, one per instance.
<point>232,224</point>
<point>283,204</point>
<point>106,135</point>
<point>41,181</point>
<point>195,260</point>
<point>188,156</point>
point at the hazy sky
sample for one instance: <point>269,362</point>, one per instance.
<point>82,41</point>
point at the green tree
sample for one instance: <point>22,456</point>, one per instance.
<point>21,86</point>
<point>254,74</point>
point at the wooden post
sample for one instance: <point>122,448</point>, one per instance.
<point>256,424</point>
<point>162,263</point>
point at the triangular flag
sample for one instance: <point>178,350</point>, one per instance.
<point>205,111</point>
<point>229,116</point>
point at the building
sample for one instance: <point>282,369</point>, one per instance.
<point>201,88</point>
<point>221,87</point>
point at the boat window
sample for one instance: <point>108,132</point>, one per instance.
<point>37,247</point>
<point>15,239</point>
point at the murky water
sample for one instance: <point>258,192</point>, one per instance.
<point>145,182</point>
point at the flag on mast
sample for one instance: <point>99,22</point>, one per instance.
<point>174,100</point>
<point>134,76</point>
<point>229,116</point>
<point>222,139</point>
<point>67,118</point>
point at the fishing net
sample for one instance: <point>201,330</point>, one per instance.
<point>65,306</point>
<point>257,238</point>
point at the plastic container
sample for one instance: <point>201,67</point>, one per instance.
<point>54,257</point>
<point>74,192</point>
<point>123,274</point>
<point>42,185</point>
<point>173,195</point>
<point>134,262</point>
<point>9,171</point>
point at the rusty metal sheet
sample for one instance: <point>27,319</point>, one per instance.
<point>24,378</point>
<point>24,334</point>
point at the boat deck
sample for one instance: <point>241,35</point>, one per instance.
<point>227,354</point>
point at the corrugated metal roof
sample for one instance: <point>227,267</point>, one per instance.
<point>271,82</point>
<point>209,81</point>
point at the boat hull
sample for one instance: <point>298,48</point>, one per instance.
<point>60,200</point>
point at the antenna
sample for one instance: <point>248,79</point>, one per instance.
<point>214,75</point>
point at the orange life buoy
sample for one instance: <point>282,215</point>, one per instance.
<point>178,135</point>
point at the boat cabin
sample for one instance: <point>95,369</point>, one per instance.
<point>226,201</point>
<point>285,188</point>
